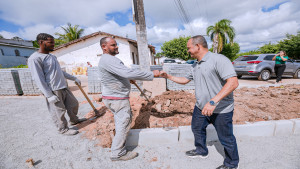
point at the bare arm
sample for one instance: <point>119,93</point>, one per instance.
<point>274,58</point>
<point>179,80</point>
<point>283,59</point>
<point>231,84</point>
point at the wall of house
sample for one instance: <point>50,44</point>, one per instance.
<point>9,59</point>
<point>10,51</point>
<point>80,53</point>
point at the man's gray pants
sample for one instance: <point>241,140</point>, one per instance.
<point>67,103</point>
<point>122,116</point>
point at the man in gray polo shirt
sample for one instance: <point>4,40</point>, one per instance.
<point>115,82</point>
<point>215,80</point>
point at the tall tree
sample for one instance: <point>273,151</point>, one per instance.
<point>220,34</point>
<point>291,45</point>
<point>269,48</point>
<point>231,50</point>
<point>70,33</point>
<point>176,48</point>
<point>1,37</point>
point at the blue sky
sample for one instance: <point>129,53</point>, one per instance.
<point>256,22</point>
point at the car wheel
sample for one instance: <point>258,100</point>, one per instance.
<point>264,75</point>
<point>239,76</point>
<point>297,74</point>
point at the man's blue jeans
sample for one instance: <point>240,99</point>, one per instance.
<point>224,128</point>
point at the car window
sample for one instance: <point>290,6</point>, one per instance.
<point>269,57</point>
<point>246,58</point>
<point>239,58</point>
<point>169,61</point>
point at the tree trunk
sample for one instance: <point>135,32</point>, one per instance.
<point>215,43</point>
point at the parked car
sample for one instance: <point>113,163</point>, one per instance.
<point>169,61</point>
<point>262,66</point>
<point>190,61</point>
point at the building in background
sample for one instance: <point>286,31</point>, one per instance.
<point>87,49</point>
<point>15,52</point>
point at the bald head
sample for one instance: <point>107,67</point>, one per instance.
<point>104,40</point>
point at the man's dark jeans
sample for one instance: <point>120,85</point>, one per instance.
<point>224,128</point>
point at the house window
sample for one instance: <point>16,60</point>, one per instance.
<point>17,52</point>
<point>133,59</point>
<point>1,51</point>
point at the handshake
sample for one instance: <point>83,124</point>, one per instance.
<point>158,73</point>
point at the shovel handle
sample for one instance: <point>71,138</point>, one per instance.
<point>140,90</point>
<point>87,98</point>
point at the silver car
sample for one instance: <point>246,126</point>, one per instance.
<point>262,66</point>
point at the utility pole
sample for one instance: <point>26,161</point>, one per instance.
<point>141,34</point>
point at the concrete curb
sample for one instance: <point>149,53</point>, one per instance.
<point>184,134</point>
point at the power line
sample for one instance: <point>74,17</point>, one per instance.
<point>184,15</point>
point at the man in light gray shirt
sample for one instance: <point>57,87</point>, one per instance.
<point>115,82</point>
<point>51,80</point>
<point>215,80</point>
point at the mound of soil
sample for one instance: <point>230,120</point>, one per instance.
<point>174,108</point>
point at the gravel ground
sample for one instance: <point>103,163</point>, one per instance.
<point>27,132</point>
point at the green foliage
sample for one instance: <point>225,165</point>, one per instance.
<point>269,48</point>
<point>59,42</point>
<point>70,33</point>
<point>1,37</point>
<point>231,50</point>
<point>159,55</point>
<point>176,48</point>
<point>35,44</point>
<point>222,32</point>
<point>20,66</point>
<point>291,45</point>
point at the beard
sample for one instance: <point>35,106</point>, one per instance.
<point>113,52</point>
<point>49,49</point>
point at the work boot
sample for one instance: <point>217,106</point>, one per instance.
<point>128,156</point>
<point>194,154</point>
<point>71,132</point>
<point>78,121</point>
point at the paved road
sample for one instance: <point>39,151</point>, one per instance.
<point>27,132</point>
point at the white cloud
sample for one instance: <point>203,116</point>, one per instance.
<point>58,12</point>
<point>8,35</point>
<point>253,26</point>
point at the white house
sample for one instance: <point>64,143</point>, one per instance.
<point>87,49</point>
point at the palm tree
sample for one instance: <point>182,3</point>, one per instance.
<point>71,33</point>
<point>220,34</point>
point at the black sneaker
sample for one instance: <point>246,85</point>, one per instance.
<point>225,167</point>
<point>194,154</point>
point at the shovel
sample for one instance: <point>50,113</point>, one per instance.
<point>97,114</point>
<point>147,97</point>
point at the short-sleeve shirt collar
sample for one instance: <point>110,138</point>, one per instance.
<point>205,58</point>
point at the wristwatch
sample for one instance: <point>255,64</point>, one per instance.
<point>213,103</point>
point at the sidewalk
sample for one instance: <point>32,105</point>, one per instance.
<point>30,134</point>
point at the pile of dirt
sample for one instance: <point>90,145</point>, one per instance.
<point>174,108</point>
<point>266,103</point>
<point>171,109</point>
